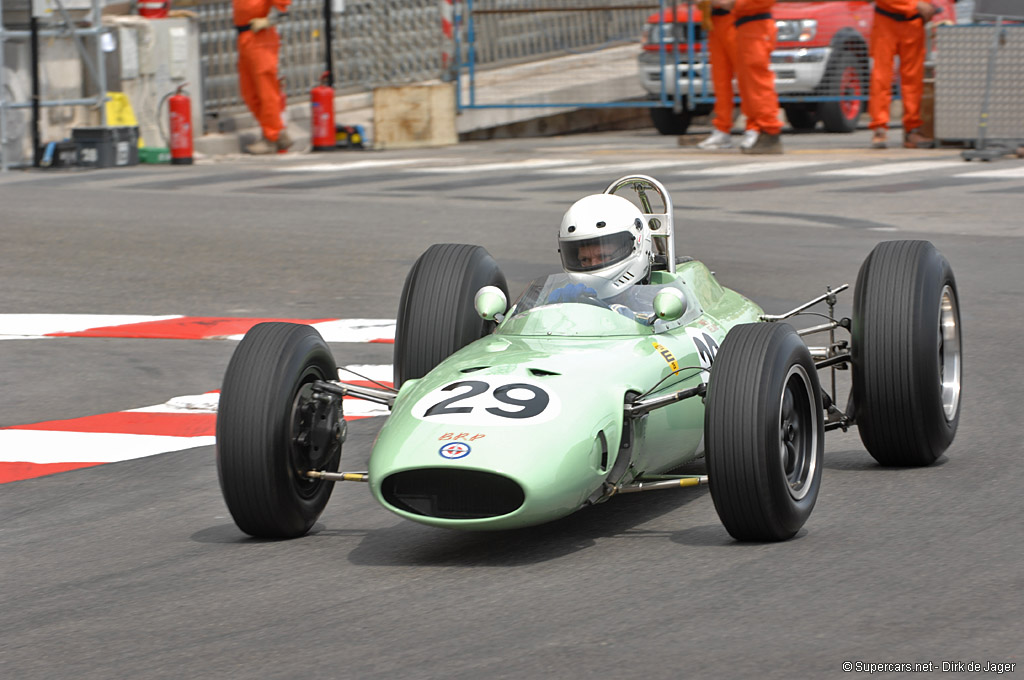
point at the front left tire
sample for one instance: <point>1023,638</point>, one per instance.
<point>907,353</point>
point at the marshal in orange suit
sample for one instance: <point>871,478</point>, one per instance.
<point>718,24</point>
<point>755,40</point>
<point>258,45</point>
<point>898,30</point>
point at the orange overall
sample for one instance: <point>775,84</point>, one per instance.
<point>722,49</point>
<point>755,39</point>
<point>891,37</point>
<point>257,64</point>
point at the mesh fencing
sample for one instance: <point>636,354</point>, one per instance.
<point>506,31</point>
<point>553,53</point>
<point>568,52</point>
<point>979,83</point>
<point>375,43</point>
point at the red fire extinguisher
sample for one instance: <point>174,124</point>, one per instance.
<point>322,104</point>
<point>154,9</point>
<point>180,108</point>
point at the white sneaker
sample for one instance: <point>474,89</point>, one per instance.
<point>749,138</point>
<point>717,140</point>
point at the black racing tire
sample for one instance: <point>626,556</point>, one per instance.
<point>802,117</point>
<point>763,432</point>
<point>907,353</point>
<point>847,77</point>
<point>436,315</point>
<point>668,122</point>
<point>258,460</point>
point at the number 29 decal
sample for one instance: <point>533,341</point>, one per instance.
<point>495,400</point>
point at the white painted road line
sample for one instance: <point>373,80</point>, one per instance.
<point>39,325</point>
<point>641,167</point>
<point>531,164</point>
<point>356,330</point>
<point>56,446</point>
<point>1004,173</point>
<point>342,167</point>
<point>32,326</point>
<point>184,422</point>
<point>753,168</point>
<point>884,169</point>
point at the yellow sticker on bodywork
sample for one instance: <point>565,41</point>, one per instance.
<point>669,358</point>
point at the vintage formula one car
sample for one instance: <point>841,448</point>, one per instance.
<point>509,417</point>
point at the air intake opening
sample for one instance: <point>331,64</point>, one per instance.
<point>452,494</point>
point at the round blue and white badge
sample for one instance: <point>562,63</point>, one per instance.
<point>454,450</point>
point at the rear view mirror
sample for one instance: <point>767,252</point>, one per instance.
<point>669,304</point>
<point>490,303</point>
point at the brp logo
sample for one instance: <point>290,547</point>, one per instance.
<point>454,450</point>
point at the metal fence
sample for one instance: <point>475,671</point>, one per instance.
<point>654,53</point>
<point>599,53</point>
<point>375,42</point>
<point>590,47</point>
<point>515,30</point>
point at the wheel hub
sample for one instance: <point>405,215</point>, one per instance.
<point>797,437</point>
<point>949,353</point>
<point>318,429</point>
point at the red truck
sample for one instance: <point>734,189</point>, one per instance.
<point>820,61</point>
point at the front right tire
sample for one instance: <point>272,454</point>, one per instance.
<point>261,457</point>
<point>436,314</point>
<point>763,432</point>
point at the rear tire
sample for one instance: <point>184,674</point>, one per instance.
<point>846,78</point>
<point>763,432</point>
<point>436,315</point>
<point>801,117</point>
<point>668,122</point>
<point>259,464</point>
<point>907,353</point>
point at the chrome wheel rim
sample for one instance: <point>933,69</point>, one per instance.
<point>949,353</point>
<point>798,433</point>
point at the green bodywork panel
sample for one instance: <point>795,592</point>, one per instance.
<point>540,401</point>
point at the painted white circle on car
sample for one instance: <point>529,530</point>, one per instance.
<point>489,400</point>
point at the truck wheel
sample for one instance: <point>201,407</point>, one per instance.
<point>261,449</point>
<point>436,315</point>
<point>668,122</point>
<point>763,432</point>
<point>801,117</point>
<point>907,356</point>
<point>845,78</point>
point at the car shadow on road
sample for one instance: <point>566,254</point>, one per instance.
<point>859,460</point>
<point>410,544</point>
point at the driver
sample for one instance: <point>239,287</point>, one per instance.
<point>605,245</point>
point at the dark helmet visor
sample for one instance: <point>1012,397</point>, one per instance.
<point>591,254</point>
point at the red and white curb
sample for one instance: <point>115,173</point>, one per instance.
<point>176,327</point>
<point>185,422</point>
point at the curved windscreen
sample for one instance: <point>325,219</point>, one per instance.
<point>557,305</point>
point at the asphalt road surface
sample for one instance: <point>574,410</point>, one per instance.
<point>134,569</point>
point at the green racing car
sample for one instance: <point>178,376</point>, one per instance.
<point>600,380</point>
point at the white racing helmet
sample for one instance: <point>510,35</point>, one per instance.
<point>605,243</point>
